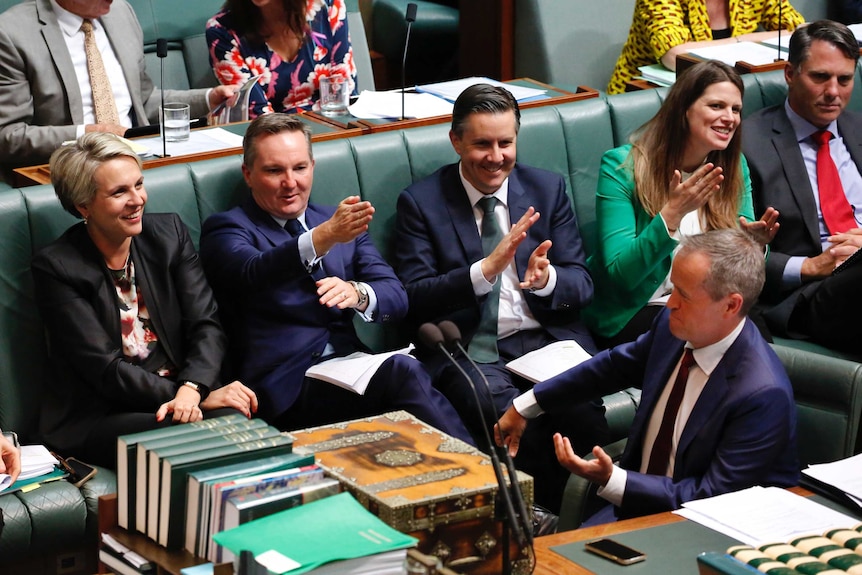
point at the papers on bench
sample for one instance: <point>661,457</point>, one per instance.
<point>452,89</point>
<point>844,476</point>
<point>386,105</point>
<point>200,141</point>
<point>546,362</point>
<point>658,74</point>
<point>761,515</point>
<point>750,52</point>
<point>352,372</point>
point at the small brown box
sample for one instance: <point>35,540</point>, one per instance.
<point>422,482</point>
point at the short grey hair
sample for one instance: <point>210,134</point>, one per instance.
<point>736,264</point>
<point>268,125</point>
<point>73,167</point>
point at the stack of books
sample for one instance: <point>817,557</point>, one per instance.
<point>179,485</point>
<point>335,535</point>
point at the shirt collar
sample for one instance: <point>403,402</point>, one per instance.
<point>803,128</point>
<point>70,23</point>
<point>282,221</point>
<point>708,356</point>
<point>474,195</point>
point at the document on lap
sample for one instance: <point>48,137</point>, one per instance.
<point>354,371</point>
<point>549,361</point>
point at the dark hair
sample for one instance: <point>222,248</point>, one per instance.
<point>267,125</point>
<point>659,146</point>
<point>736,264</point>
<point>835,33</point>
<point>483,99</point>
<point>249,22</point>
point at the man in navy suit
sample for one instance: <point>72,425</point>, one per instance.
<point>728,424</point>
<point>522,290</point>
<point>290,276</point>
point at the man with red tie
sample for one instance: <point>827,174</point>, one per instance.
<point>717,411</point>
<point>805,156</point>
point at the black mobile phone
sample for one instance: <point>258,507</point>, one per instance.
<point>79,472</point>
<point>616,552</point>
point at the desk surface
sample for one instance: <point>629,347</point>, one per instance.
<point>549,562</point>
<point>320,131</point>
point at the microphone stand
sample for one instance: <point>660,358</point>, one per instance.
<point>780,25</point>
<point>431,336</point>
<point>453,335</point>
<point>162,53</point>
<point>410,17</point>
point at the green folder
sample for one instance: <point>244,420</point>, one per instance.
<point>306,534</point>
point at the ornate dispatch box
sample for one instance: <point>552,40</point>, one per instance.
<point>422,482</point>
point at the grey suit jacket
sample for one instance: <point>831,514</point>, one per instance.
<point>779,179</point>
<point>40,103</point>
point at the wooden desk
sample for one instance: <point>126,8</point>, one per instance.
<point>685,61</point>
<point>320,131</point>
<point>549,562</point>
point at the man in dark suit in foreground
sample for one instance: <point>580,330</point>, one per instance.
<point>726,423</point>
<point>291,275</point>
<point>512,283</point>
<point>819,215</point>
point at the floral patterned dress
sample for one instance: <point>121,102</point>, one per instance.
<point>285,86</point>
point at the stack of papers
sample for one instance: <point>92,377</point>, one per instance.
<point>452,89</point>
<point>761,515</point>
<point>549,361</point>
<point>658,74</point>
<point>37,464</point>
<point>200,141</point>
<point>353,372</point>
<point>750,52</point>
<point>387,105</point>
<point>843,476</point>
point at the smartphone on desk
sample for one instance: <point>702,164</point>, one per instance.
<point>79,472</point>
<point>616,552</point>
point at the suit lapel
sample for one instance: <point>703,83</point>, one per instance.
<point>518,205</point>
<point>461,214</point>
<point>851,136</point>
<point>53,36</point>
<point>264,223</point>
<point>127,56</point>
<point>797,177</point>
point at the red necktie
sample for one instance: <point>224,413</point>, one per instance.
<point>837,212</point>
<point>659,457</point>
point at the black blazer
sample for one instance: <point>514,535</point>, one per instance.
<point>90,377</point>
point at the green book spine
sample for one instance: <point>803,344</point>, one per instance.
<point>245,508</point>
<point>760,561</point>
<point>198,521</point>
<point>713,563</point>
<point>798,559</point>
<point>175,471</point>
<point>144,447</point>
<point>157,455</point>
<point>830,552</point>
<point>126,461</point>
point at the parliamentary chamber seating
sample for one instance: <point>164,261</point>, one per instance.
<point>53,529</point>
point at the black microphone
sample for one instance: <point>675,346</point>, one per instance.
<point>410,17</point>
<point>162,53</point>
<point>432,337</point>
<point>452,336</point>
<point>780,25</point>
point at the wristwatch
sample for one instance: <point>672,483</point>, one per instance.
<point>202,390</point>
<point>361,291</point>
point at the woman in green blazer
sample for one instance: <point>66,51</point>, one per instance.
<point>683,174</point>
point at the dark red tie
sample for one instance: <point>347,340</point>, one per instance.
<point>660,455</point>
<point>837,211</point>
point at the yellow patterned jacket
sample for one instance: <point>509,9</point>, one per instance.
<point>659,25</point>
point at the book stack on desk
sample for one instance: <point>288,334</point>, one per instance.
<point>153,490</point>
<point>335,535</point>
<point>836,552</point>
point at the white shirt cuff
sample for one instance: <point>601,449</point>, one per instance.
<point>368,315</point>
<point>792,276</point>
<point>549,287</point>
<point>527,406</point>
<point>616,487</point>
<point>79,131</point>
<point>481,286</point>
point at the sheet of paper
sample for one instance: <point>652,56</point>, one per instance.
<point>760,515</point>
<point>546,362</point>
<point>857,31</point>
<point>352,372</point>
<point>785,42</point>
<point>750,52</point>
<point>199,141</point>
<point>845,474</point>
<point>36,460</point>
<point>658,74</point>
<point>387,105</point>
<point>452,89</point>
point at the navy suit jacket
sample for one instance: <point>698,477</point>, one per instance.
<point>276,326</point>
<point>741,432</point>
<point>437,241</point>
<point>779,179</point>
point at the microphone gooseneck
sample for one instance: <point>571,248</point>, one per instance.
<point>410,17</point>
<point>780,25</point>
<point>162,53</point>
<point>452,336</point>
